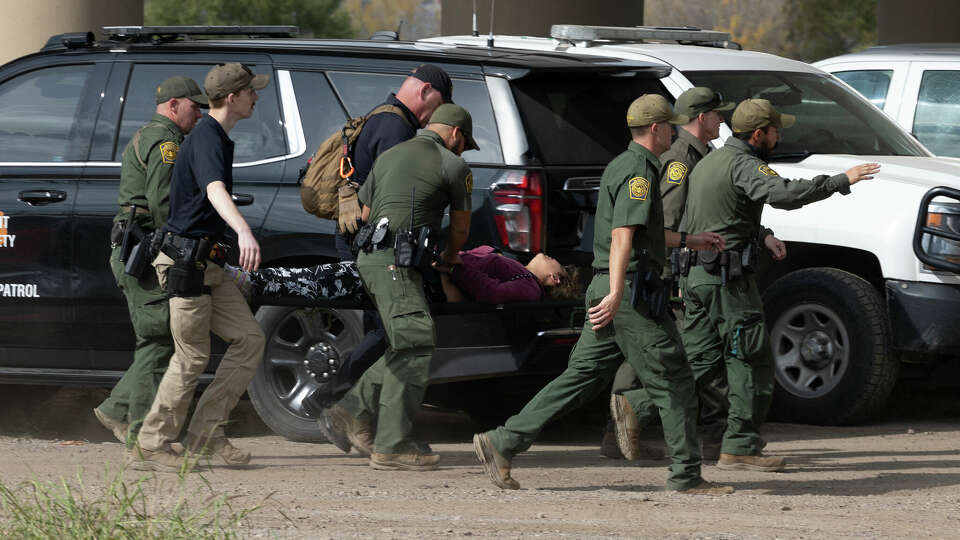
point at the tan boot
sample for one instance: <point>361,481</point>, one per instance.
<point>221,447</point>
<point>707,488</point>
<point>759,462</point>
<point>412,460</point>
<point>497,466</point>
<point>343,424</point>
<point>609,447</point>
<point>163,460</point>
<point>119,429</point>
<point>626,426</point>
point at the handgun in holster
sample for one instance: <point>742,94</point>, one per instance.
<point>185,276</point>
<point>131,233</point>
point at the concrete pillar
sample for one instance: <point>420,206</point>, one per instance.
<point>534,17</point>
<point>27,24</point>
<point>917,21</point>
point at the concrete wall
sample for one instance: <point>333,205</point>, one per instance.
<point>534,17</point>
<point>917,21</point>
<point>27,24</point>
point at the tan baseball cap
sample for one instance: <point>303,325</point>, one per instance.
<point>457,116</point>
<point>224,79</point>
<point>754,114</point>
<point>180,87</point>
<point>652,109</point>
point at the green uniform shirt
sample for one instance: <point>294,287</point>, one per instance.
<point>149,187</point>
<point>683,155</point>
<point>630,196</point>
<point>440,177</point>
<point>730,186</point>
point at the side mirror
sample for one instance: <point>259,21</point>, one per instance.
<point>936,237</point>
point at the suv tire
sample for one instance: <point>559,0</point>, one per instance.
<point>831,346</point>
<point>298,341</point>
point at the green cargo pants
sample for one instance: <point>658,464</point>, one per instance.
<point>731,316</point>
<point>132,396</point>
<point>654,351</point>
<point>390,393</point>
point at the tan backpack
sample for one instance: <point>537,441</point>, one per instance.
<point>331,166</point>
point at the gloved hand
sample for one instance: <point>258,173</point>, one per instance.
<point>349,208</point>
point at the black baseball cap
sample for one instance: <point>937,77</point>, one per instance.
<point>437,78</point>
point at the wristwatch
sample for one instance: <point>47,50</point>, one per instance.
<point>683,239</point>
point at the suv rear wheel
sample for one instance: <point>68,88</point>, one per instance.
<point>304,348</point>
<point>831,347</point>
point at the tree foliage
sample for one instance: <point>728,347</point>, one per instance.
<point>315,18</point>
<point>820,29</point>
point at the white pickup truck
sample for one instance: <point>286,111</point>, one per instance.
<point>852,303</point>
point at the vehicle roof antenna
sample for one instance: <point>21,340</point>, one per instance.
<point>493,4</point>
<point>476,30</point>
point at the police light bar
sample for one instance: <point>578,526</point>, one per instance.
<point>576,32</point>
<point>134,32</point>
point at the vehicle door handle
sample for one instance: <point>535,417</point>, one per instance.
<point>38,197</point>
<point>242,199</point>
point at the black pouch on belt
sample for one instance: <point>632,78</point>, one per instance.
<point>185,276</point>
<point>734,265</point>
<point>710,260</point>
<point>404,248</point>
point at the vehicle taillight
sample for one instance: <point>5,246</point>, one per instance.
<point>518,210</point>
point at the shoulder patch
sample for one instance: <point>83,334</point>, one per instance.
<point>765,169</point>
<point>168,151</point>
<point>639,187</point>
<point>676,172</point>
<point>468,181</point>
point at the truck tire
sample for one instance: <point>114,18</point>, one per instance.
<point>299,342</point>
<point>831,347</point>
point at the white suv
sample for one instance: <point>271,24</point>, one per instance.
<point>916,85</point>
<point>851,302</point>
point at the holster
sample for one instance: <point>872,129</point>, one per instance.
<point>680,260</point>
<point>362,240</point>
<point>142,255</point>
<point>185,276</point>
<point>414,249</point>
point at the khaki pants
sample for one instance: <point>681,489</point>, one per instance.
<point>225,313</point>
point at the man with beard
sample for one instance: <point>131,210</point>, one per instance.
<point>727,193</point>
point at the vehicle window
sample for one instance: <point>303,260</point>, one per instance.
<point>320,111</point>
<point>937,119</point>
<point>873,84</point>
<point>361,92</point>
<point>258,137</point>
<point>831,118</point>
<point>579,119</point>
<point>39,114</point>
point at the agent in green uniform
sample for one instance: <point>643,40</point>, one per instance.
<point>145,182</point>
<point>703,107</point>
<point>424,174</point>
<point>629,241</point>
<point>727,193</point>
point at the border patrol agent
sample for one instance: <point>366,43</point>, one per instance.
<point>727,192</point>
<point>145,170</point>
<point>423,175</point>
<point>629,244</point>
<point>703,107</point>
<point>203,299</point>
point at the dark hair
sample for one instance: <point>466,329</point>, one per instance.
<point>217,103</point>
<point>639,131</point>
<point>569,286</point>
<point>745,136</point>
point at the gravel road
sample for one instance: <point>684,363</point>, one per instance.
<point>895,478</point>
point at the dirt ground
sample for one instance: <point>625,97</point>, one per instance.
<point>897,477</point>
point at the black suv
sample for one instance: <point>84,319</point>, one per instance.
<point>546,124</point>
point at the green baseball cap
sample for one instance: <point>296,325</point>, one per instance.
<point>699,100</point>
<point>457,116</point>
<point>652,109</point>
<point>225,79</point>
<point>754,114</point>
<point>181,87</point>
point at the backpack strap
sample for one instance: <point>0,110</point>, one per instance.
<point>386,107</point>
<point>136,147</point>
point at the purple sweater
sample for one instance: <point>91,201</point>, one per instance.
<point>494,279</point>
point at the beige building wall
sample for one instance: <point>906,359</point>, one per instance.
<point>534,17</point>
<point>27,24</point>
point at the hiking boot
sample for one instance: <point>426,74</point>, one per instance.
<point>334,436</point>
<point>342,424</point>
<point>759,462</point>
<point>710,451</point>
<point>412,460</point>
<point>626,426</point>
<point>497,466</point>
<point>707,488</point>
<point>221,447</point>
<point>608,446</point>
<point>119,429</point>
<point>142,459</point>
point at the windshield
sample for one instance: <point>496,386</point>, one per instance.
<point>831,119</point>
